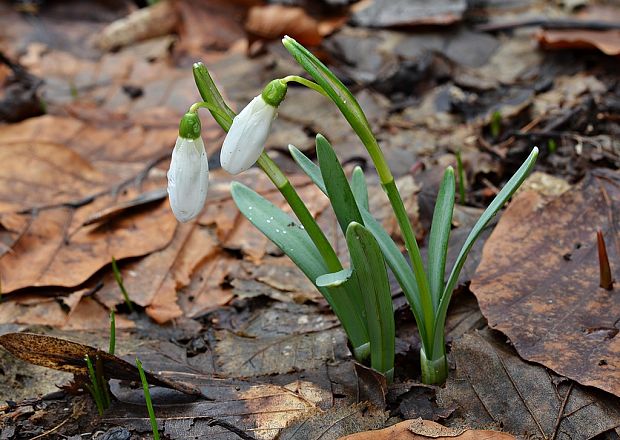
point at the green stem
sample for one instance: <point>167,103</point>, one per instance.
<point>416,259</point>
<point>434,371</point>
<point>301,211</point>
<point>212,108</point>
<point>305,82</point>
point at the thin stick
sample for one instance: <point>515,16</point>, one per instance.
<point>561,413</point>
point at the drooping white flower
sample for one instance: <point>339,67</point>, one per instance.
<point>188,176</point>
<point>250,128</point>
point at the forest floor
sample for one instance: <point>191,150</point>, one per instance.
<point>90,98</point>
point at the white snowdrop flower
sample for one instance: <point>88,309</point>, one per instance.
<point>249,130</point>
<point>188,176</point>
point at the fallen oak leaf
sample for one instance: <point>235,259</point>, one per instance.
<point>63,355</point>
<point>419,429</point>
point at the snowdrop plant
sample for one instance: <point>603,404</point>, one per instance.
<point>359,295</point>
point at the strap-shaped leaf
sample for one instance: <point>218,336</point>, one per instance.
<point>359,187</point>
<point>500,199</point>
<point>439,236</point>
<point>294,241</point>
<point>369,265</point>
<point>394,257</point>
<point>338,190</point>
<point>281,229</point>
<point>311,169</point>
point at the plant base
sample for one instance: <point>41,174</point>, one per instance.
<point>434,371</point>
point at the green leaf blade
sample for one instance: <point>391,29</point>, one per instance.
<point>311,169</point>
<point>369,265</point>
<point>281,229</point>
<point>500,199</point>
<point>439,236</point>
<point>294,241</point>
<point>338,190</point>
<point>359,187</point>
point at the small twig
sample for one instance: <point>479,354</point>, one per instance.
<point>558,421</point>
<point>55,428</point>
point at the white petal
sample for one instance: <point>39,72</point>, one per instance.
<point>188,178</point>
<point>246,138</point>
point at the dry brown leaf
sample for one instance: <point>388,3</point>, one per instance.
<point>49,253</point>
<point>424,429</point>
<point>75,311</point>
<point>494,387</point>
<point>607,42</point>
<point>259,411</point>
<point>215,24</point>
<point>538,281</point>
<point>275,21</point>
<point>335,422</point>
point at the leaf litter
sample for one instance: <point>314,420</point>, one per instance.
<point>218,283</point>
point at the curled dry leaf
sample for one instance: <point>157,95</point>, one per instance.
<point>274,21</point>
<point>60,354</point>
<point>424,429</point>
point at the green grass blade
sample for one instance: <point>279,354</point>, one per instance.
<point>119,280</point>
<point>338,190</point>
<point>368,263</point>
<point>147,398</point>
<point>359,187</point>
<point>112,347</point>
<point>94,388</point>
<point>439,236</point>
<point>502,197</point>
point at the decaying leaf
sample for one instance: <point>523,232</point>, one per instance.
<point>147,198</point>
<point>334,423</point>
<point>240,410</point>
<point>424,429</point>
<point>607,41</point>
<point>63,355</point>
<point>292,337</point>
<point>494,387</point>
<point>538,281</point>
<point>275,21</point>
<point>54,250</point>
<point>385,13</point>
